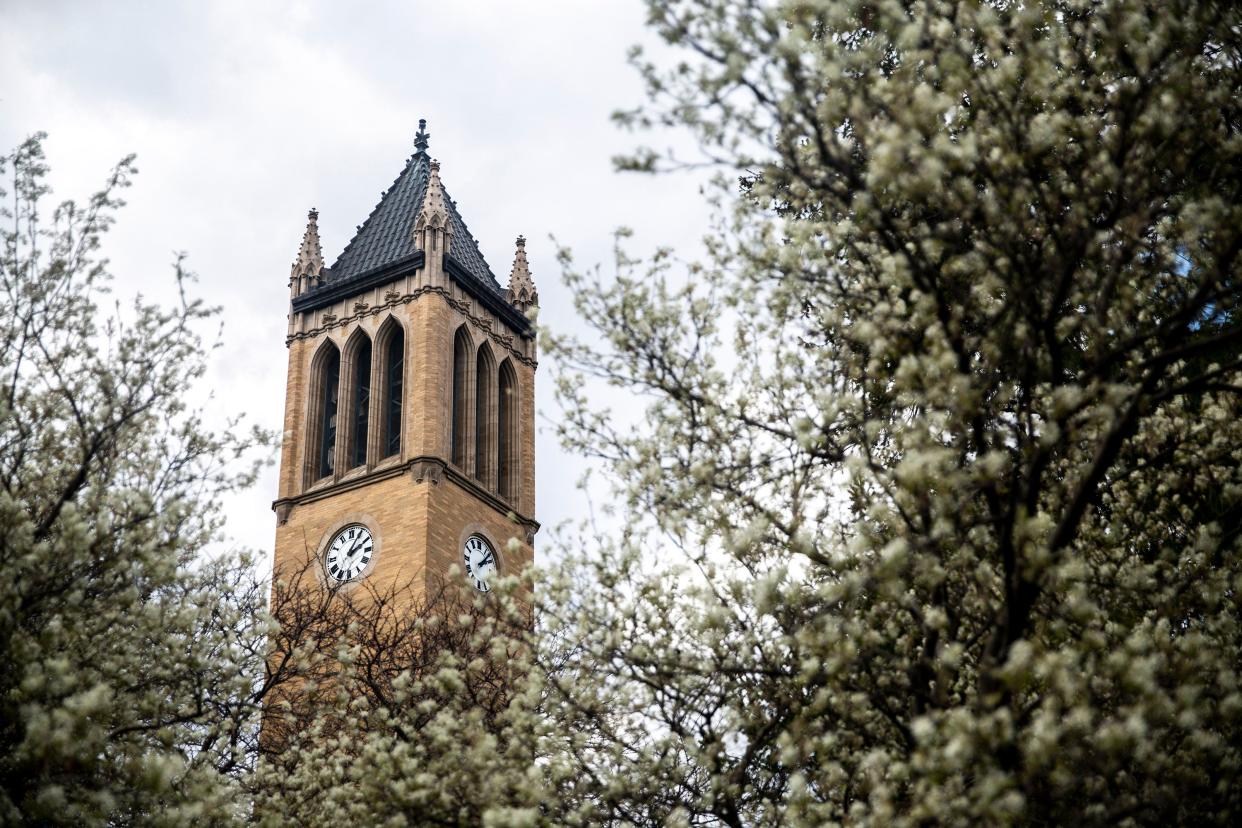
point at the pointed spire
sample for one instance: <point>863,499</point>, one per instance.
<point>307,270</point>
<point>522,291</point>
<point>433,216</point>
<point>423,138</point>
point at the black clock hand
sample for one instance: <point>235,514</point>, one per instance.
<point>350,554</point>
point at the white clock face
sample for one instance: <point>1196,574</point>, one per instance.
<point>480,562</point>
<point>349,552</point>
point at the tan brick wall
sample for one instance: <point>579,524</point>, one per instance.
<point>394,509</point>
<point>453,513</point>
<point>295,394</point>
<point>526,440</point>
<point>418,514</point>
<point>432,382</point>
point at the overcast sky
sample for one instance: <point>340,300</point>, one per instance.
<point>246,114</point>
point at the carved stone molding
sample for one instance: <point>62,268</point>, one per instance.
<point>504,340</point>
<point>427,470</point>
<point>283,511</point>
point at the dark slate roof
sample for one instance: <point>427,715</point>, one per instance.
<point>387,236</point>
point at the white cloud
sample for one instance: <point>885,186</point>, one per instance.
<point>246,114</point>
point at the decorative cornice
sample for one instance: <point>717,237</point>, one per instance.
<point>393,299</point>
<point>334,292</point>
<point>284,505</point>
<point>494,302</point>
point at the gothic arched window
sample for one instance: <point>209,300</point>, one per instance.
<point>462,353</point>
<point>358,359</point>
<point>507,432</point>
<point>325,383</point>
<point>485,418</point>
<point>391,343</point>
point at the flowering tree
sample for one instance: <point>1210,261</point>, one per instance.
<point>129,655</point>
<point>934,514</point>
<point>398,706</point>
<point>147,680</point>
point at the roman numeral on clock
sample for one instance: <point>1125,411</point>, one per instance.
<point>349,552</point>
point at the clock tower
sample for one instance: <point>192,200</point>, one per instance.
<point>409,440</point>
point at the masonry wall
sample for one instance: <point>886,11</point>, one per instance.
<point>454,512</point>
<point>418,506</point>
<point>394,509</point>
<point>291,442</point>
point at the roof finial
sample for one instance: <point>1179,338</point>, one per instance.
<point>522,291</point>
<point>423,138</point>
<point>307,268</point>
<point>433,212</point>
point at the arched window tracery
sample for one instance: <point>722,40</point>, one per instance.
<point>358,361</point>
<point>507,432</point>
<point>463,370</point>
<point>391,345</point>
<point>485,418</point>
<point>324,392</point>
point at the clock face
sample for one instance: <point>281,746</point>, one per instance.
<point>349,552</point>
<point>480,562</point>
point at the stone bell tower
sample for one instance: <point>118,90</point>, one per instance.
<point>409,437</point>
